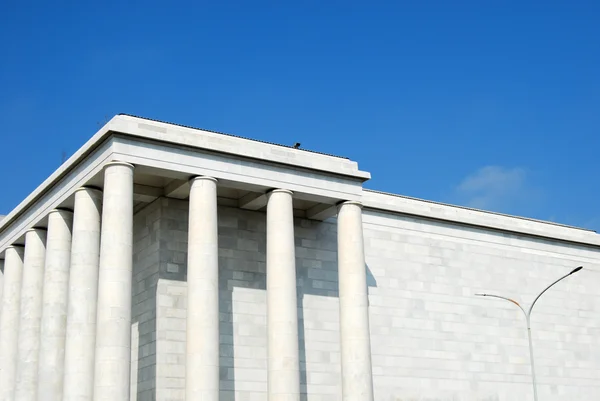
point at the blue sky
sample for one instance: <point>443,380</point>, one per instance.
<point>494,105</point>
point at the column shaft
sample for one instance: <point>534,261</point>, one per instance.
<point>9,321</point>
<point>202,346</point>
<point>357,377</point>
<point>112,369</point>
<point>54,306</point>
<point>30,315</point>
<point>1,284</point>
<point>83,293</point>
<point>282,308</point>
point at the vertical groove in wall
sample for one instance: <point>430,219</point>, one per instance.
<point>146,228</point>
<point>171,300</point>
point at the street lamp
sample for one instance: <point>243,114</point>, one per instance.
<point>528,318</point>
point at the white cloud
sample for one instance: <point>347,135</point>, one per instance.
<point>495,188</point>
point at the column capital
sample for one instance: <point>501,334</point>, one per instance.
<point>118,163</point>
<point>350,202</point>
<point>280,190</point>
<point>91,190</point>
<point>202,177</point>
<point>61,211</point>
<point>38,229</point>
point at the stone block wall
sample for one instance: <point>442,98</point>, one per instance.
<point>242,277</point>
<point>171,301</point>
<point>432,339</point>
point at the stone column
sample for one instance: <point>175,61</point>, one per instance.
<point>282,308</point>
<point>9,321</point>
<point>1,284</point>
<point>54,306</point>
<point>30,315</point>
<point>83,294</point>
<point>357,376</point>
<point>112,368</point>
<point>202,330</point>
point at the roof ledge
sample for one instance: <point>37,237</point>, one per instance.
<point>478,218</point>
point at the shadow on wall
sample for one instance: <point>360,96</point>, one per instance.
<point>143,306</point>
<point>371,280</point>
<point>317,278</point>
<point>242,298</point>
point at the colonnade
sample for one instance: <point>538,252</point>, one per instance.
<point>65,310</point>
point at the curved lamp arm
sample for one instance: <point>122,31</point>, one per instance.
<point>527,317</point>
<point>501,297</point>
<point>528,313</point>
<point>575,270</point>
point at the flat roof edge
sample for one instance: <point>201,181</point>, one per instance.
<point>395,203</point>
<point>122,124</point>
<point>237,145</point>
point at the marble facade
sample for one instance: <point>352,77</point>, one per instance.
<point>163,262</point>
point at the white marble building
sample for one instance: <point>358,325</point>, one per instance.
<point>162,262</point>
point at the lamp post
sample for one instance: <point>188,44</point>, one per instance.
<point>528,319</point>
